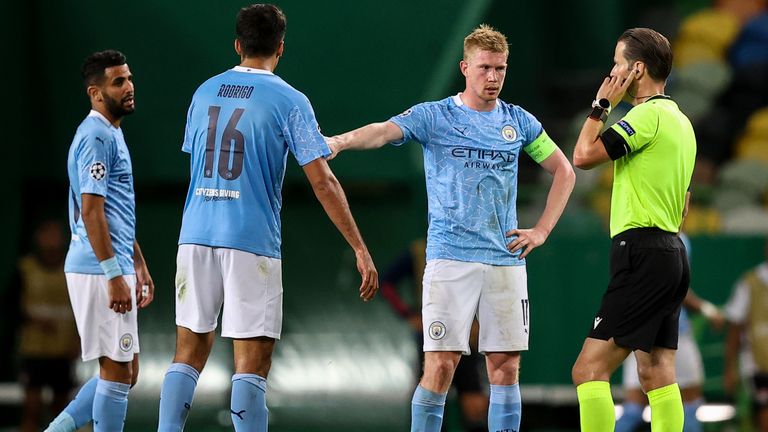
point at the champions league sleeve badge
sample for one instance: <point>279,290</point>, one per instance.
<point>98,170</point>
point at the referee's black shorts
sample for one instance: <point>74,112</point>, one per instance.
<point>649,279</point>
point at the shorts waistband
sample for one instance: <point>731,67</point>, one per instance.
<point>643,232</point>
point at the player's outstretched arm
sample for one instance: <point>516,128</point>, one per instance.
<point>330,194</point>
<point>562,186</point>
<point>145,286</point>
<point>368,137</point>
<point>98,233</point>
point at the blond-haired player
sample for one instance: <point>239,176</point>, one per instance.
<point>475,249</point>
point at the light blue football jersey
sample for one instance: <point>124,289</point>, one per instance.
<point>240,126</point>
<point>99,163</point>
<point>471,166</point>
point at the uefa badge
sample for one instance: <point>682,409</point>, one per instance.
<point>98,171</point>
<point>508,133</point>
<point>126,342</point>
<point>437,330</point>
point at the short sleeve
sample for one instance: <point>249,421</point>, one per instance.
<point>186,146</point>
<point>633,132</point>
<point>530,126</point>
<point>414,122</point>
<point>94,162</point>
<point>302,133</point>
<point>737,307</point>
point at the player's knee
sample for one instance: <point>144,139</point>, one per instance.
<point>442,367</point>
<point>505,373</point>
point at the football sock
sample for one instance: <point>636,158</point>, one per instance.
<point>691,423</point>
<point>109,406</point>
<point>79,412</point>
<point>505,408</point>
<point>249,403</point>
<point>632,417</point>
<point>427,410</point>
<point>596,406</point>
<point>176,396</point>
<point>666,409</point>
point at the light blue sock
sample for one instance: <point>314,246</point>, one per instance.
<point>109,406</point>
<point>176,397</point>
<point>505,408</point>
<point>427,410</point>
<point>632,417</point>
<point>79,412</point>
<point>249,403</point>
<point>691,423</point>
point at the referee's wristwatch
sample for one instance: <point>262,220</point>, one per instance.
<point>600,109</point>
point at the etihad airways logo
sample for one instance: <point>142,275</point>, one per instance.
<point>483,158</point>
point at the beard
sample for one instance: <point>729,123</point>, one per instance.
<point>117,107</point>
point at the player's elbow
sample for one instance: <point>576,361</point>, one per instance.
<point>580,161</point>
<point>325,184</point>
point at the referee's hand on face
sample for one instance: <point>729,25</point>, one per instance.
<point>119,295</point>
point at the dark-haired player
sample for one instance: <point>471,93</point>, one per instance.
<point>241,125</point>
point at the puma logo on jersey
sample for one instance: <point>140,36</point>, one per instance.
<point>597,322</point>
<point>239,414</point>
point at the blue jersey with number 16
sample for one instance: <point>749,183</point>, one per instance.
<point>240,126</point>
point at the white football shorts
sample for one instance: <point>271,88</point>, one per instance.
<point>454,292</point>
<point>103,332</point>
<point>248,286</point>
<point>688,365</point>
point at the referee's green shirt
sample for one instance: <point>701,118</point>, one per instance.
<point>654,149</point>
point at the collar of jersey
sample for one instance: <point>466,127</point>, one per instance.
<point>101,117</point>
<point>251,70</point>
<point>460,103</point>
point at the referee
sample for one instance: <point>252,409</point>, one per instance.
<point>653,148</point>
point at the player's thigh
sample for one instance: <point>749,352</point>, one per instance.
<point>503,310</point>
<point>450,293</point>
<point>688,364</point>
<point>253,295</point>
<point>199,288</point>
<point>103,332</point>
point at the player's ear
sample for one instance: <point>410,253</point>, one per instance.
<point>463,65</point>
<point>280,49</point>
<point>238,48</point>
<point>94,93</point>
<point>638,69</point>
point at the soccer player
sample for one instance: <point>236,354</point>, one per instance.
<point>471,144</point>
<point>107,277</point>
<point>653,148</point>
<point>241,125</point>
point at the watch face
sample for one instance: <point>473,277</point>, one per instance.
<point>604,103</point>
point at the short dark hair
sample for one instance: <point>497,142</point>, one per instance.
<point>260,28</point>
<point>651,48</point>
<point>95,64</point>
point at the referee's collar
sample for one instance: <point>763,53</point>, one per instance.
<point>101,117</point>
<point>251,70</point>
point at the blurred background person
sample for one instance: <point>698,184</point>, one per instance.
<point>688,366</point>
<point>47,333</point>
<point>746,348</point>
